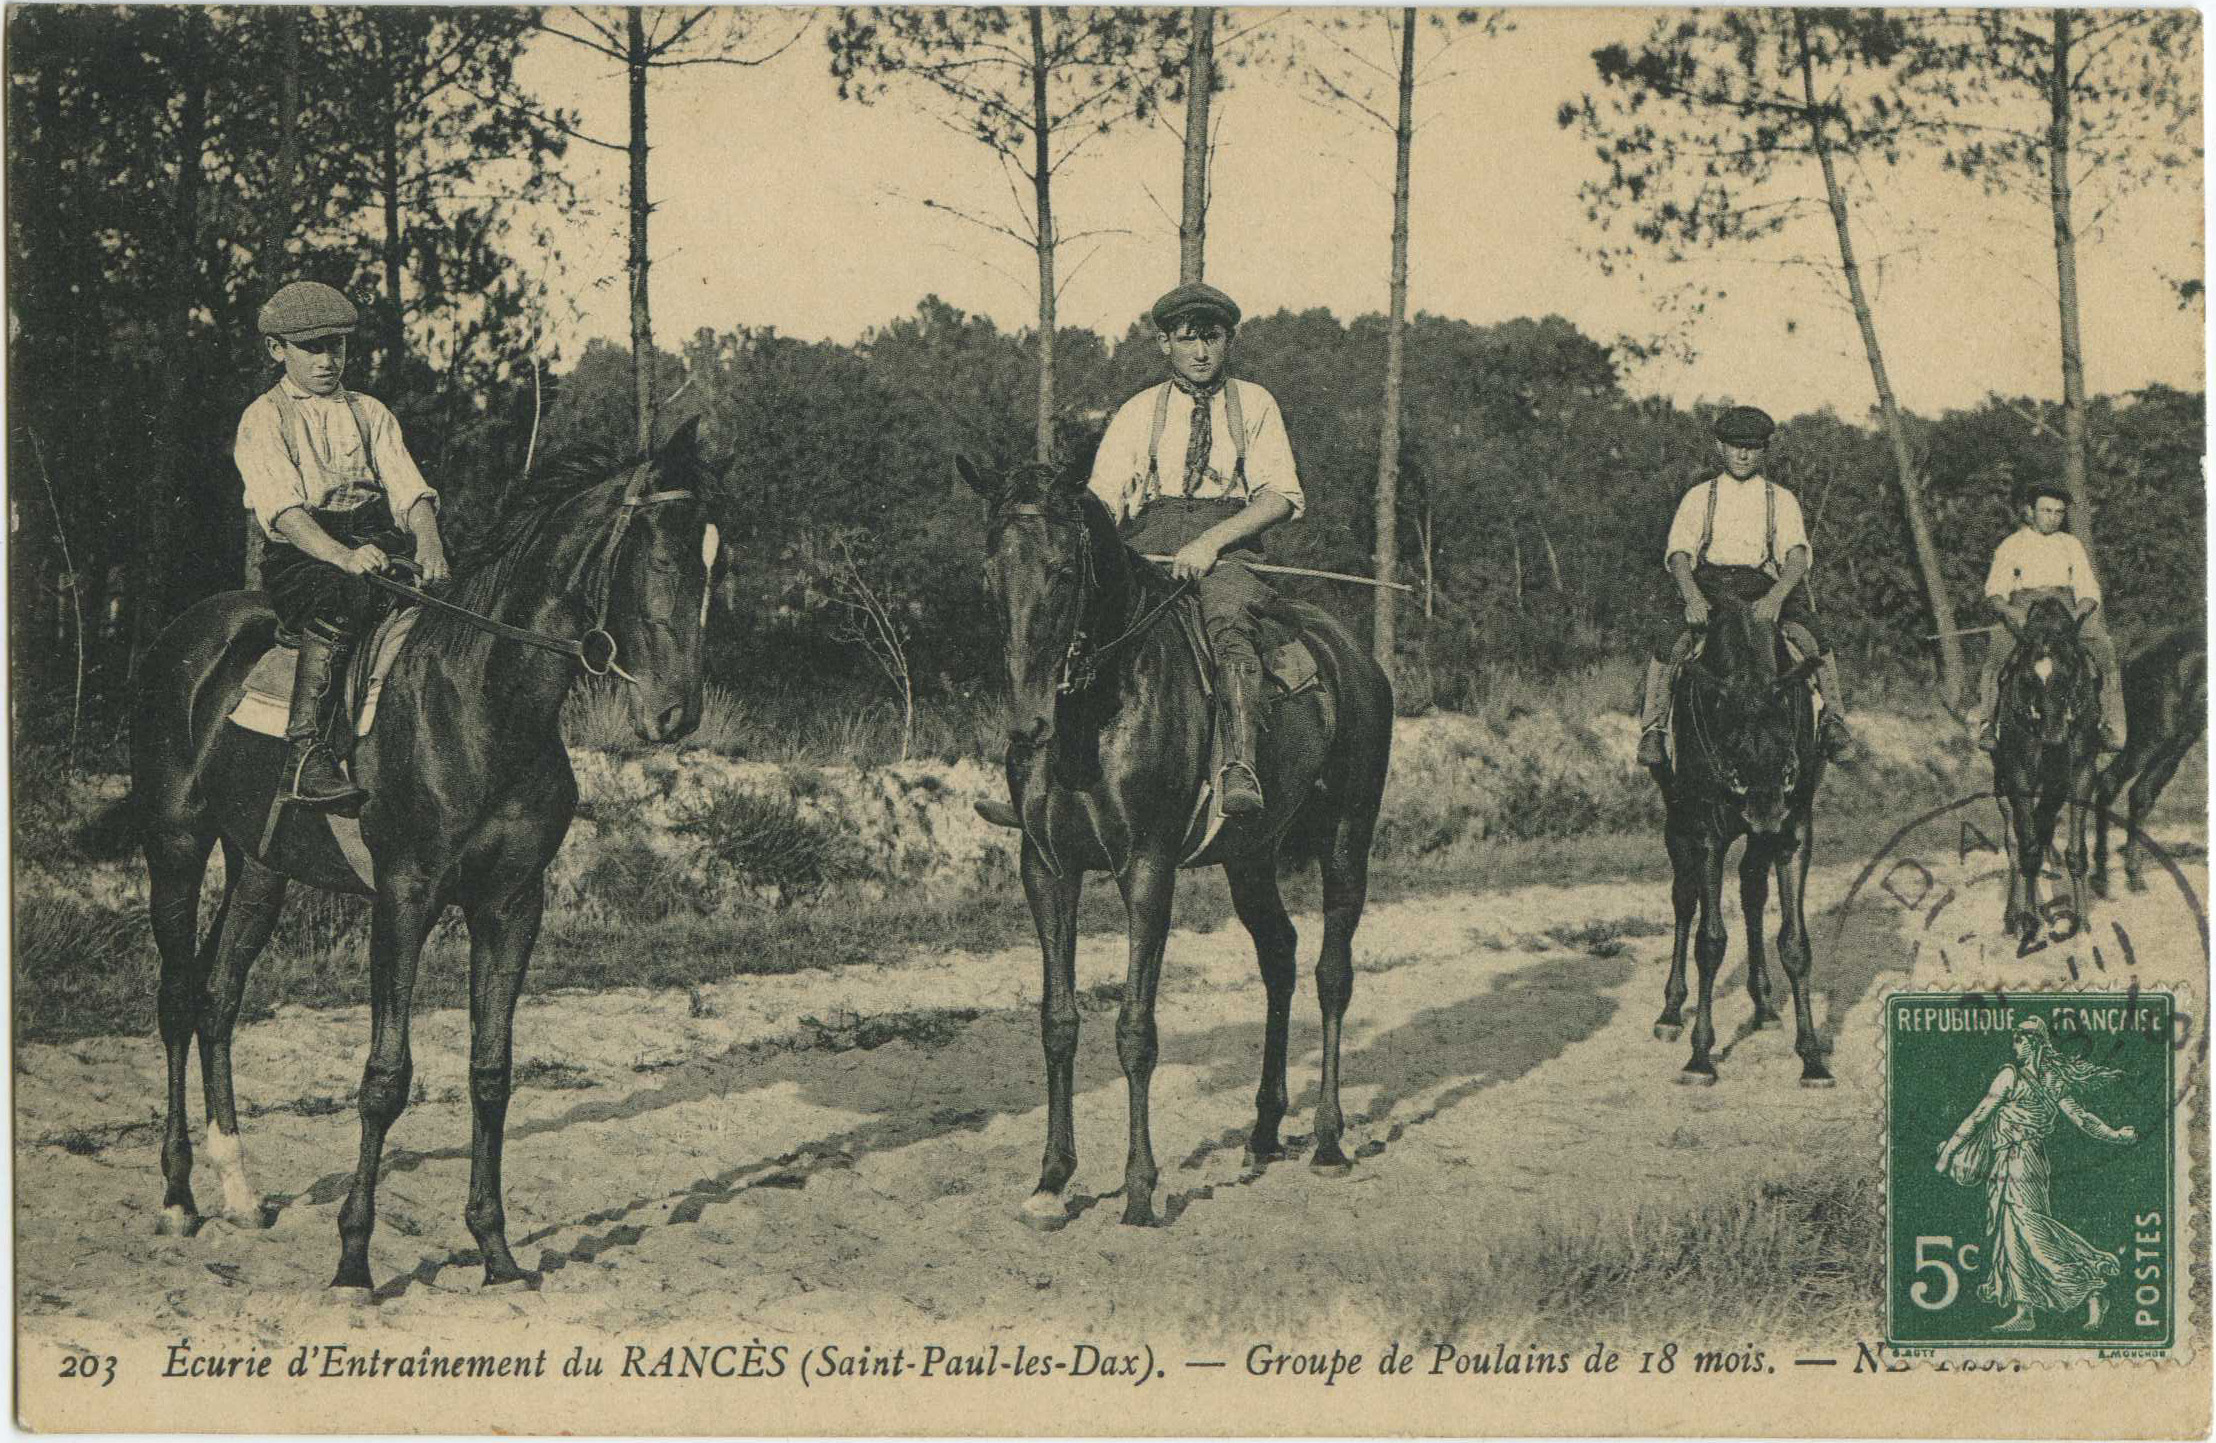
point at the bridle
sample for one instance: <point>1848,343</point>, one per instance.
<point>1081,662</point>
<point>1704,740</point>
<point>595,651</point>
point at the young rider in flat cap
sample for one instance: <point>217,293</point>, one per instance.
<point>326,474</point>
<point>1199,467</point>
<point>1738,535</point>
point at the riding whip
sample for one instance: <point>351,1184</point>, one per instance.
<point>1303,571</point>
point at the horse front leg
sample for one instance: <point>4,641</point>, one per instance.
<point>502,932</point>
<point>1149,883</point>
<point>399,920</point>
<point>1795,953</point>
<point>1054,915</point>
<point>2074,858</point>
<point>1685,902</point>
<point>2017,917</point>
<point>1708,953</point>
<point>1754,904</point>
<point>2145,788</point>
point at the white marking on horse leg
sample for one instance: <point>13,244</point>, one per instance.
<point>173,1223</point>
<point>711,542</point>
<point>227,1150</point>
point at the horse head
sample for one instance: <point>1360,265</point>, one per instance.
<point>629,553</point>
<point>2051,688</point>
<point>1743,710</point>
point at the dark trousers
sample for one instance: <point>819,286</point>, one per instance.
<point>1229,595</point>
<point>305,592</point>
<point>1747,584</point>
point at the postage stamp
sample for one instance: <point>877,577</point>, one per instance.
<point>2032,1196</point>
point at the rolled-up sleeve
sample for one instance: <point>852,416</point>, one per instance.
<point>2000,577</point>
<point>1119,465</point>
<point>1791,532</point>
<point>404,484</point>
<point>1269,461</point>
<point>1692,510</point>
<point>273,484</point>
<point>2086,583</point>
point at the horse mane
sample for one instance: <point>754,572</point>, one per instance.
<point>486,567</point>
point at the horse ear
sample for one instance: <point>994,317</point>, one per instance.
<point>684,441</point>
<point>1796,674</point>
<point>978,481</point>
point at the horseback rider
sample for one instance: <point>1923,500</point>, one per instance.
<point>1199,466</point>
<point>326,474</point>
<point>1737,535</point>
<point>2037,560</point>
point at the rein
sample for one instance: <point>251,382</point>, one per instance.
<point>595,651</point>
<point>1080,663</point>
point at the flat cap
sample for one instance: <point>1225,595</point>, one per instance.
<point>1745,426</point>
<point>305,311</point>
<point>1194,298</point>
<point>2027,492</point>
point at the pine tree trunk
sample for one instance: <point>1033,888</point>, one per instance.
<point>1396,325</point>
<point>1200,79</point>
<point>1951,674</point>
<point>165,477</point>
<point>2066,287</point>
<point>1042,181</point>
<point>388,138</point>
<point>642,324</point>
<point>277,220</point>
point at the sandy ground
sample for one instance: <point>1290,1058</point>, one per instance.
<point>760,1171</point>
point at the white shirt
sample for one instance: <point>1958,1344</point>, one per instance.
<point>1742,523</point>
<point>2027,560</point>
<point>330,455</point>
<point>1119,467</point>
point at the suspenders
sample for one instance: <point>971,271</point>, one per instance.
<point>1769,525</point>
<point>1231,413</point>
<point>293,429</point>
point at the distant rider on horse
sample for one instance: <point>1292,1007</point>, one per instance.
<point>1737,535</point>
<point>326,474</point>
<point>2040,559</point>
<point>1199,466</point>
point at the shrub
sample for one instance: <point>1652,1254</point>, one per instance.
<point>765,841</point>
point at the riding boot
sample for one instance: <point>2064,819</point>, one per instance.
<point>2112,712</point>
<point>1654,711</point>
<point>1238,783</point>
<point>312,774</point>
<point>1833,732</point>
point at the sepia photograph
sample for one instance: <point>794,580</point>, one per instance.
<point>1133,721</point>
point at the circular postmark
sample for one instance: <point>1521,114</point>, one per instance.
<point>1935,897</point>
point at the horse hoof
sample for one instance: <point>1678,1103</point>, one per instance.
<point>1690,1078</point>
<point>338,1297</point>
<point>511,1283</point>
<point>1138,1213</point>
<point>1263,1157</point>
<point>1767,1022</point>
<point>1331,1167</point>
<point>1824,1081</point>
<point>1668,1031</point>
<point>175,1222</point>
<point>2135,884</point>
<point>1043,1212</point>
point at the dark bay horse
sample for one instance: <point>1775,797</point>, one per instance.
<point>1747,765</point>
<point>2046,743</point>
<point>471,795</point>
<point>2166,711</point>
<point>1106,775</point>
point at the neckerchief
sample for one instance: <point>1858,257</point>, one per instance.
<point>1201,438</point>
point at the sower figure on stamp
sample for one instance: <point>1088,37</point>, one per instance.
<point>1198,467</point>
<point>326,475</point>
<point>1741,535</point>
<point>2033,1260</point>
<point>2037,560</point>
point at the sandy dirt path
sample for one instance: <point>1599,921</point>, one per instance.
<point>764,1171</point>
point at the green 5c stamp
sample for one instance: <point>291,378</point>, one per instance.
<point>2032,1196</point>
